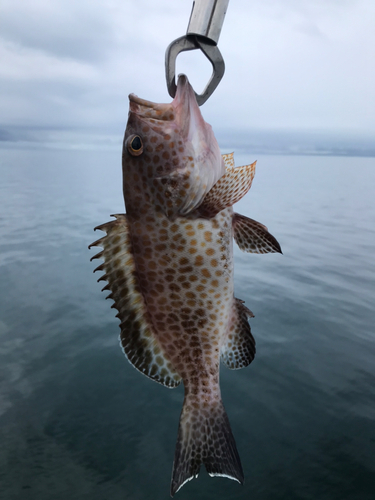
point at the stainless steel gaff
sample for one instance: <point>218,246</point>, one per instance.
<point>203,33</point>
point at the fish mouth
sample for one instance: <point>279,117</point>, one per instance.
<point>178,109</point>
<point>150,110</point>
<point>184,90</point>
<point>142,102</point>
<point>183,86</point>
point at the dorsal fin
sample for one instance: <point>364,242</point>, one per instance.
<point>137,338</point>
<point>238,350</point>
<point>253,237</point>
<point>228,190</point>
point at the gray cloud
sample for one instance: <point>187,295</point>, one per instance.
<point>290,65</point>
<point>77,30</point>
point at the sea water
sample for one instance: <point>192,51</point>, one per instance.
<point>77,421</point>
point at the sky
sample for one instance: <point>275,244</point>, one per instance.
<point>298,72</point>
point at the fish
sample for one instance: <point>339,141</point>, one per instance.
<point>168,264</point>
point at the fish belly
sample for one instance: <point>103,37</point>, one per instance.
<point>185,272</point>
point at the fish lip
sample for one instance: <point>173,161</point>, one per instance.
<point>148,110</point>
<point>142,102</point>
<point>185,95</point>
<point>165,112</point>
<point>182,84</point>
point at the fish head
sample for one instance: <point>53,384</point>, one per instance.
<point>170,154</point>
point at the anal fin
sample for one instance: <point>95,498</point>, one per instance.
<point>238,350</point>
<point>252,236</point>
<point>137,337</point>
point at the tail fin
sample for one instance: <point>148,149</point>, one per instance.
<point>205,436</point>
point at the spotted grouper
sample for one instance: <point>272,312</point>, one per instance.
<point>169,266</point>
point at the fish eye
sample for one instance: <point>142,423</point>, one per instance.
<point>135,145</point>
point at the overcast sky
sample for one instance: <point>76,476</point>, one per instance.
<point>300,65</point>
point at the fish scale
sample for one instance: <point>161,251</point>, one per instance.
<point>169,266</point>
<point>189,276</point>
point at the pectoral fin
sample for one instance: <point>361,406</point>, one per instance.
<point>137,338</point>
<point>228,160</point>
<point>252,236</point>
<point>238,350</point>
<point>229,189</point>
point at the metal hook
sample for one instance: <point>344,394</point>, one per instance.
<point>203,33</point>
<point>210,51</point>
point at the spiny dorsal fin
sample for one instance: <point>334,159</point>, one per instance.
<point>238,350</point>
<point>252,236</point>
<point>228,190</point>
<point>137,338</point>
